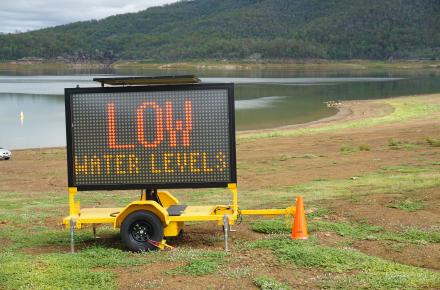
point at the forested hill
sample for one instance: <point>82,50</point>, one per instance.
<point>241,29</point>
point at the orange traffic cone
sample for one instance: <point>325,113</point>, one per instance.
<point>299,230</point>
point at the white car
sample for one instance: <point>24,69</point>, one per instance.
<point>5,154</point>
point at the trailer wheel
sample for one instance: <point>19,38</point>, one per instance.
<point>139,228</point>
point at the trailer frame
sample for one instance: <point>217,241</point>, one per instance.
<point>173,224</point>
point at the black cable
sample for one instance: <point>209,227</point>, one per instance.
<point>239,218</point>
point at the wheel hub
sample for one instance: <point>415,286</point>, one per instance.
<point>141,231</point>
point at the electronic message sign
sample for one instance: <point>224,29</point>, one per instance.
<point>150,137</point>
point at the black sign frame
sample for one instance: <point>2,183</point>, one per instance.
<point>68,92</point>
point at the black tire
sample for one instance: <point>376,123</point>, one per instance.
<point>6,158</point>
<point>138,228</point>
<point>181,234</point>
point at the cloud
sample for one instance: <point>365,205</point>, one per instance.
<point>24,15</point>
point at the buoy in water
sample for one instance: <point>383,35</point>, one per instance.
<point>21,118</point>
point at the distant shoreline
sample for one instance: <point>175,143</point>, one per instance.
<point>311,64</point>
<point>347,111</point>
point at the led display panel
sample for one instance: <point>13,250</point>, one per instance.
<point>151,137</point>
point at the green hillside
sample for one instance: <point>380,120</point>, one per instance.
<point>239,29</point>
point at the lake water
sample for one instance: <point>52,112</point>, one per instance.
<point>264,98</point>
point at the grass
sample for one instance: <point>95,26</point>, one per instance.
<point>404,109</point>
<point>364,147</point>
<point>403,169</point>
<point>89,268</point>
<point>388,180</point>
<point>356,231</point>
<point>285,157</point>
<point>414,236</point>
<point>268,283</point>
<point>348,149</point>
<point>237,273</point>
<point>65,271</point>
<point>392,142</point>
<point>318,213</point>
<point>361,231</point>
<point>358,270</point>
<point>433,142</point>
<point>398,144</point>
<point>407,205</point>
<point>353,230</point>
<point>198,262</point>
<point>42,237</point>
<point>270,226</point>
<point>308,156</point>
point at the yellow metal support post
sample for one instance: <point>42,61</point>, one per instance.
<point>74,210</point>
<point>287,211</point>
<point>74,207</point>
<point>233,188</point>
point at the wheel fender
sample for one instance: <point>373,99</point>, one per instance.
<point>147,205</point>
<point>167,199</point>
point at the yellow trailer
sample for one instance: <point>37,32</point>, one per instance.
<point>145,224</point>
<point>151,134</point>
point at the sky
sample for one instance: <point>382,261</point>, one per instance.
<point>24,15</point>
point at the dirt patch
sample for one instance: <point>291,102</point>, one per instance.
<point>5,243</point>
<point>263,263</point>
<point>210,235</point>
<point>36,170</point>
<point>45,250</point>
<point>293,160</point>
<point>201,236</point>
<point>54,222</point>
<point>374,209</point>
<point>144,277</point>
<point>245,265</point>
<point>426,256</point>
<point>330,239</point>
